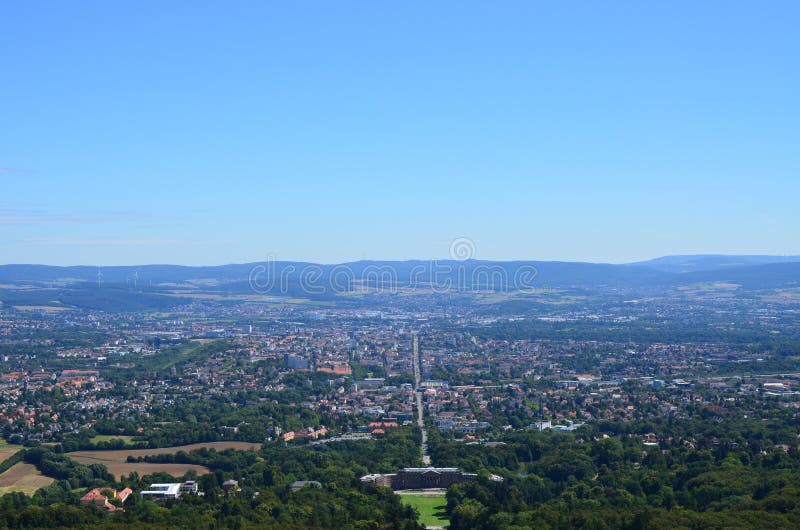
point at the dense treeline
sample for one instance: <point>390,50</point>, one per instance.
<point>606,477</point>
<point>237,416</point>
<point>264,498</point>
<point>59,466</point>
<point>276,507</point>
<point>341,462</point>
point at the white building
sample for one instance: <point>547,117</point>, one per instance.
<point>162,491</point>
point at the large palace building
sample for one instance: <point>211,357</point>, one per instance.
<point>413,478</point>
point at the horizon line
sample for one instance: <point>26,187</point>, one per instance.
<point>410,260</point>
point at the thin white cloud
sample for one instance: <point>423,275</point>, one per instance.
<point>11,218</point>
<point>5,170</point>
<point>16,216</point>
<point>119,242</point>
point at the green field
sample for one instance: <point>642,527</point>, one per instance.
<point>431,508</point>
<point>108,437</point>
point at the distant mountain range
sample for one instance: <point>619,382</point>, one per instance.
<point>711,262</point>
<point>667,270</point>
<point>149,286</point>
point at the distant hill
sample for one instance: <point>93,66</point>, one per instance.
<point>143,274</point>
<point>710,262</point>
<point>164,286</point>
<point>767,276</point>
<point>465,274</point>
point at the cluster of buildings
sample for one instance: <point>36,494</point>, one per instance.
<point>107,499</point>
<point>473,381</point>
<point>308,433</point>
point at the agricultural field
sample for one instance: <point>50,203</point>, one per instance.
<point>117,464</point>
<point>431,508</point>
<point>6,450</point>
<point>23,477</point>
<point>143,468</point>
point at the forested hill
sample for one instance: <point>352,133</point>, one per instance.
<point>749,271</point>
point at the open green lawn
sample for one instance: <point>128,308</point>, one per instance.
<point>431,508</point>
<point>108,437</point>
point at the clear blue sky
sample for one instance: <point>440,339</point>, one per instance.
<point>137,132</point>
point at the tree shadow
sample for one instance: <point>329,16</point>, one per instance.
<point>440,511</point>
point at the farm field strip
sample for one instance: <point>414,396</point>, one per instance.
<point>8,451</point>
<point>143,468</point>
<point>23,477</point>
<point>117,460</point>
<point>121,455</point>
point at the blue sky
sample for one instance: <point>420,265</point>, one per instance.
<point>217,132</point>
